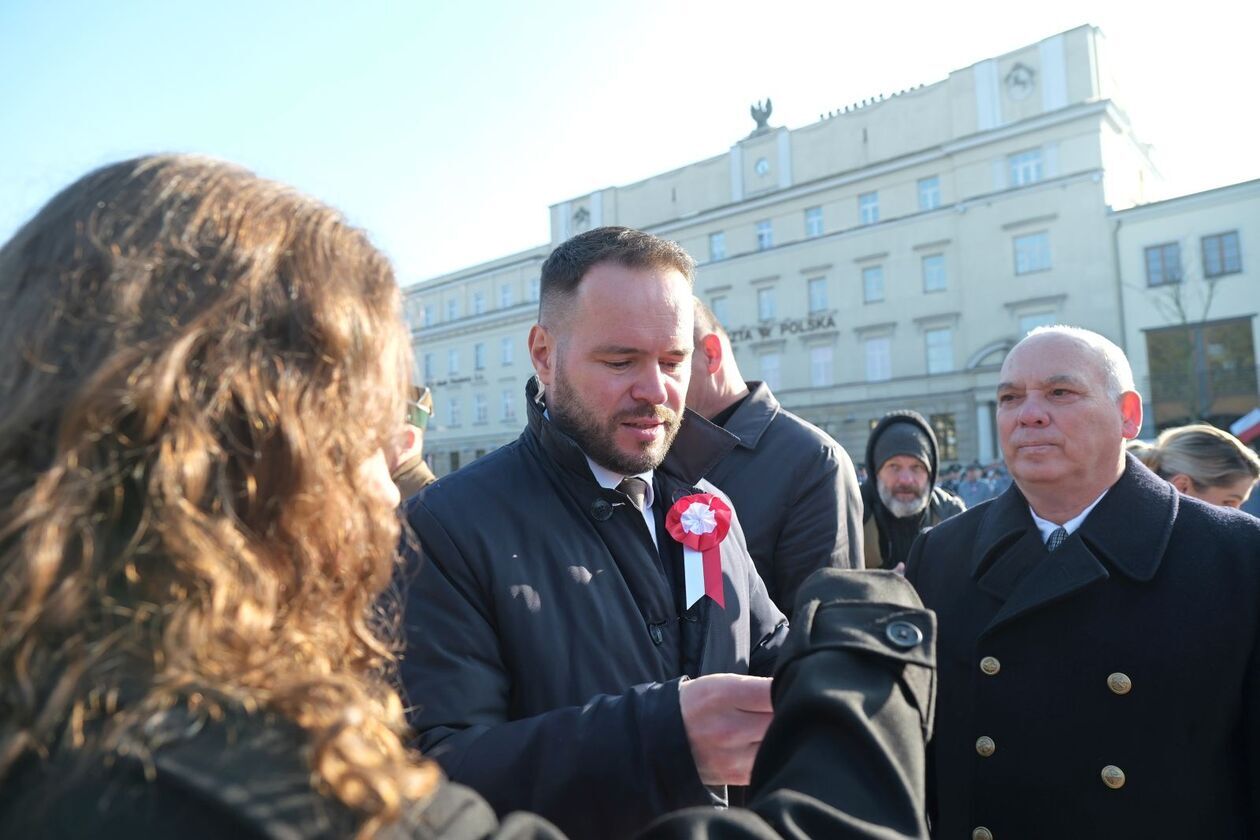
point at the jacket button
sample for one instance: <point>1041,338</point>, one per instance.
<point>904,634</point>
<point>1119,683</point>
<point>990,665</point>
<point>985,746</point>
<point>981,833</point>
<point>1113,777</point>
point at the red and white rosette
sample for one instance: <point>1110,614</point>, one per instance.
<point>700,522</point>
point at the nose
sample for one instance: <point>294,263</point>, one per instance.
<point>1032,411</point>
<point>650,386</point>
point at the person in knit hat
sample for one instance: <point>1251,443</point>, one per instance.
<point>900,497</point>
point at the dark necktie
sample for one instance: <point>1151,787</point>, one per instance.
<point>1056,538</point>
<point>636,489</point>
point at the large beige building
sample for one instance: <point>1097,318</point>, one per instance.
<point>883,257</point>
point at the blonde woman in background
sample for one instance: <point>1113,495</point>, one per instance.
<point>1204,462</point>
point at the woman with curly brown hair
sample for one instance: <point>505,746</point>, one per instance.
<point>203,372</point>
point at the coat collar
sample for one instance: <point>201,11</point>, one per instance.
<point>1007,559</point>
<point>699,447</point>
<point>752,418</point>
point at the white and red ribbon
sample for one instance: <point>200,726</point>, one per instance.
<point>700,522</point>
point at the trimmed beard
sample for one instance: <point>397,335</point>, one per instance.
<point>900,509</point>
<point>597,438</point>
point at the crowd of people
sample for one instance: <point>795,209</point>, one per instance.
<point>236,602</point>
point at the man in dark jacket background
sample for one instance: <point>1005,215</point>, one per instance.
<point>548,628</point>
<point>900,495</point>
<point>793,486</point>
<point>1099,638</point>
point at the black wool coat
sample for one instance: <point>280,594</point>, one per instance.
<point>796,492</point>
<point>546,636</point>
<point>1110,689</point>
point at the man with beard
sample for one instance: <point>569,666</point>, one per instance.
<point>560,657</point>
<point>900,497</point>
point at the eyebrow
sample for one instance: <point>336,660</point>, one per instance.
<point>1057,379</point>
<point>621,350</point>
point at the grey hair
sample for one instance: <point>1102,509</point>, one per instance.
<point>1117,373</point>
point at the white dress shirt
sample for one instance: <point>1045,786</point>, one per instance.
<point>609,481</point>
<point>1046,527</point>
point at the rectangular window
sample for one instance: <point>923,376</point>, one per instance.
<point>717,246</point>
<point>452,361</point>
<point>934,273</point>
<point>1028,323</point>
<point>765,304</point>
<point>817,295</point>
<point>878,359</point>
<point>946,436</point>
<point>452,411</point>
<point>535,284</point>
<point>940,350</point>
<point>929,193</point>
<point>868,208</point>
<point>1163,264</point>
<point>1221,254</point>
<point>721,308</point>
<point>1024,167</point>
<point>1032,253</point>
<point>872,284</point>
<point>480,412</point>
<point>428,367</point>
<point>479,356</point>
<point>505,296</point>
<point>770,370</point>
<point>479,303</point>
<point>505,350</point>
<point>428,315</point>
<point>765,235</point>
<point>454,461</point>
<point>813,221</point>
<point>509,405</point>
<point>820,366</point>
<point>452,310</point>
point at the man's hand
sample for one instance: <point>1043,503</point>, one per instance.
<point>726,716</point>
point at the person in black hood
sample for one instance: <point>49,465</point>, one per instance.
<point>900,497</point>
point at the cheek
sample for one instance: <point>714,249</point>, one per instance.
<point>374,475</point>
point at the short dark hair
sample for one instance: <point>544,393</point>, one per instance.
<point>563,271</point>
<point>706,322</point>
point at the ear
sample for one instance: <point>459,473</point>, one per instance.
<point>542,352</point>
<point>409,442</point>
<point>711,347</point>
<point>1182,482</point>
<point>1130,414</point>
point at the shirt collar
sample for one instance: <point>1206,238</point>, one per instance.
<point>1046,527</point>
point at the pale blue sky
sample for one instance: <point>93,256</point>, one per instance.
<point>446,129</point>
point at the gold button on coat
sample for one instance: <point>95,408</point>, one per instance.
<point>1120,683</point>
<point>985,746</point>
<point>990,665</point>
<point>1113,777</point>
<point>981,833</point>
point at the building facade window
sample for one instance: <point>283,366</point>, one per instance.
<point>765,235</point>
<point>480,412</point>
<point>720,307</point>
<point>1025,167</point>
<point>868,208</point>
<point>428,367</point>
<point>872,284</point>
<point>1032,253</point>
<point>940,350</point>
<point>717,246</point>
<point>452,310</point>
<point>817,294</point>
<point>479,303</point>
<point>509,405</point>
<point>929,193</point>
<point>427,318</point>
<point>813,222</point>
<point>454,460</point>
<point>1030,322</point>
<point>505,296</point>
<point>946,430</point>
<point>933,273</point>
<point>770,370</point>
<point>765,304</point>
<point>505,350</point>
<point>1221,254</point>
<point>1203,371</point>
<point>452,411</point>
<point>1163,264</point>
<point>878,359</point>
<point>535,285</point>
<point>452,361</point>
<point>479,356</point>
<point>821,360</point>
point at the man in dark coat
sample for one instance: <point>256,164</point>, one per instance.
<point>551,624</point>
<point>900,495</point>
<point>794,487</point>
<point>1099,635</point>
